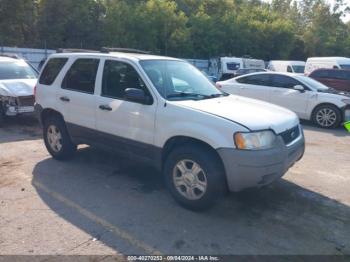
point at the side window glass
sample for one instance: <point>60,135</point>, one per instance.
<point>81,76</point>
<point>260,80</point>
<point>119,76</point>
<point>289,69</point>
<point>51,70</point>
<point>284,81</point>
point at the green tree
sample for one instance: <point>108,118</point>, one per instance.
<point>67,23</point>
<point>18,22</point>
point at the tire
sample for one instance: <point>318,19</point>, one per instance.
<point>57,139</point>
<point>327,116</point>
<point>190,191</point>
<point>2,115</point>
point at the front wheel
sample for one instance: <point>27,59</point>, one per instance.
<point>327,116</point>
<point>194,177</point>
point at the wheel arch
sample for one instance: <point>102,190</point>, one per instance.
<point>49,112</point>
<point>325,104</point>
<point>177,141</point>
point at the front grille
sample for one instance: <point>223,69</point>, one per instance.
<point>26,101</point>
<point>290,135</point>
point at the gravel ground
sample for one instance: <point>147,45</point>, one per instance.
<point>99,204</point>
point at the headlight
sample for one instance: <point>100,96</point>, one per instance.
<point>346,101</point>
<point>255,140</point>
<point>11,101</point>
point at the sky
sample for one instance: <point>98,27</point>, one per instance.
<point>345,19</point>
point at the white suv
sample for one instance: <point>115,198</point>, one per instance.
<point>163,111</point>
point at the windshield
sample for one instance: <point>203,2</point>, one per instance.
<point>16,70</point>
<point>178,80</point>
<point>313,83</point>
<point>298,69</point>
<point>347,67</point>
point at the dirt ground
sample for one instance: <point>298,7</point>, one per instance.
<point>99,204</point>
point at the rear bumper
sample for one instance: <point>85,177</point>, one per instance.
<point>245,169</point>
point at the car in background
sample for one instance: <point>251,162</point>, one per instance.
<point>314,63</point>
<point>245,71</point>
<point>296,67</point>
<point>336,78</point>
<point>17,81</point>
<point>308,98</point>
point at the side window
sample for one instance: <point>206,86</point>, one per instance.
<point>51,70</point>
<point>261,80</point>
<point>337,75</point>
<point>347,75</point>
<point>289,69</point>
<point>117,77</point>
<point>81,76</point>
<point>284,81</point>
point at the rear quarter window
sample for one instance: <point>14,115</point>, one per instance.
<point>51,70</point>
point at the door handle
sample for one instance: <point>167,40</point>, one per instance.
<point>105,108</point>
<point>64,99</point>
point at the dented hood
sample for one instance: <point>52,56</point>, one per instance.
<point>17,87</point>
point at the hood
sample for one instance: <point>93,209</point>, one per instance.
<point>251,113</point>
<point>335,92</point>
<point>18,87</point>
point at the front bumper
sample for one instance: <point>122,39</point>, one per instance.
<point>346,113</point>
<point>245,169</point>
<point>16,110</point>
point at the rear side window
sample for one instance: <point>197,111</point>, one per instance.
<point>319,74</point>
<point>284,81</point>
<point>81,76</point>
<point>51,70</point>
<point>261,80</point>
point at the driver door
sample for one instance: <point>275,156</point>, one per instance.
<point>126,126</point>
<point>282,93</point>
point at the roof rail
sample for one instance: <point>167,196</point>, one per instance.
<point>72,50</point>
<point>123,50</point>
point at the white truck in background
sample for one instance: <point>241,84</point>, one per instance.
<point>296,67</point>
<point>314,63</point>
<point>226,67</point>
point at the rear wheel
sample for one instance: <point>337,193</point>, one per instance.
<point>57,139</point>
<point>327,116</point>
<point>194,177</point>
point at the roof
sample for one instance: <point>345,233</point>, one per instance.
<point>270,73</point>
<point>7,59</point>
<point>334,58</point>
<point>131,56</point>
<point>288,62</point>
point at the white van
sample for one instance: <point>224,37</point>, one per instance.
<point>226,67</point>
<point>314,63</point>
<point>297,67</point>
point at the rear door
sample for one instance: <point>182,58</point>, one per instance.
<point>283,94</point>
<point>254,86</point>
<point>77,93</point>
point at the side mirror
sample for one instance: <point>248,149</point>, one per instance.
<point>299,88</point>
<point>137,95</point>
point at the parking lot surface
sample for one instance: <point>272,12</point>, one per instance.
<point>100,204</point>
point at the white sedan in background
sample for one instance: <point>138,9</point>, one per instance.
<point>308,98</point>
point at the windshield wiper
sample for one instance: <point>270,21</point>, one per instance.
<point>183,94</point>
